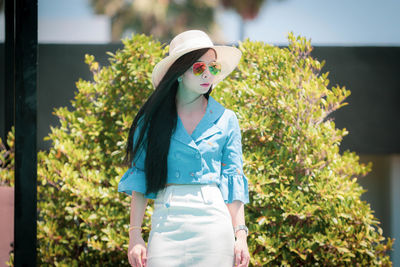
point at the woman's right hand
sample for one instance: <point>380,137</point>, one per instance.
<point>137,252</point>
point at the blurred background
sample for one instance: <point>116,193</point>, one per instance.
<point>360,41</point>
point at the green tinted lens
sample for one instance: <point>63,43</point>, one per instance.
<point>215,68</point>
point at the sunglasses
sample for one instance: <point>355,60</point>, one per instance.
<point>199,67</point>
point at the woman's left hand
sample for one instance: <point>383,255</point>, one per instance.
<point>242,255</point>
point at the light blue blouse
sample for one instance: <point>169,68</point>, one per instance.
<point>212,154</point>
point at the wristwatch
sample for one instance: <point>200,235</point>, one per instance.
<point>241,227</point>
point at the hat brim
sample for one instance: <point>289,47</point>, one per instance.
<point>228,56</point>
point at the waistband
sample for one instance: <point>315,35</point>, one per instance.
<point>208,192</point>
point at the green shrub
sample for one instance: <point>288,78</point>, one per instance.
<point>7,160</point>
<point>305,201</point>
<point>305,204</point>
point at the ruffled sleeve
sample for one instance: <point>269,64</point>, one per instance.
<point>134,179</point>
<point>233,183</point>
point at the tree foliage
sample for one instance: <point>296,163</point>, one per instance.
<point>305,206</point>
<point>305,200</point>
<point>163,19</point>
<point>7,155</point>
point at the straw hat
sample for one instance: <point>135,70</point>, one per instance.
<point>192,40</point>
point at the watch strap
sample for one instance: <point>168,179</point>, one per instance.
<point>241,227</point>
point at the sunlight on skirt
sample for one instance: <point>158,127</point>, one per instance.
<point>191,226</point>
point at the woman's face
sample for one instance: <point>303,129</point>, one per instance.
<point>202,83</point>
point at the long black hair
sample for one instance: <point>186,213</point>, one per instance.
<point>158,118</point>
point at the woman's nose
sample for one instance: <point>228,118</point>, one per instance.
<point>206,73</point>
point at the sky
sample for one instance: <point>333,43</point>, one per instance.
<point>325,22</point>
<point>64,8</point>
<point>338,22</point>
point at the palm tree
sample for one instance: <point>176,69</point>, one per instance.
<point>248,10</point>
<point>161,18</point>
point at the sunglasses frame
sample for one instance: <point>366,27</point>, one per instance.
<point>209,68</point>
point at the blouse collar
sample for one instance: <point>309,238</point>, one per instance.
<point>204,128</point>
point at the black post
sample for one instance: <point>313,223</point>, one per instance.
<point>9,75</point>
<point>25,210</point>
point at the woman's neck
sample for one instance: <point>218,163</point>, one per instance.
<point>190,103</point>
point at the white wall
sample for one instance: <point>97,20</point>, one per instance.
<point>95,29</point>
<point>68,21</point>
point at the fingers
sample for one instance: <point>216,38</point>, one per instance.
<point>245,258</point>
<point>143,257</point>
<point>242,259</point>
<point>237,258</point>
<point>136,262</point>
<point>137,259</point>
<point>131,259</point>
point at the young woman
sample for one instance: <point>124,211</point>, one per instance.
<point>185,152</point>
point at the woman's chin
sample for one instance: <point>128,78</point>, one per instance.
<point>204,89</point>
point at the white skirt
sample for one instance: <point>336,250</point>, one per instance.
<point>190,226</point>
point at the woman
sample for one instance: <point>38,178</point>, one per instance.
<point>185,153</point>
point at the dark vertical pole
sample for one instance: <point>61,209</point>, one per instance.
<point>9,77</point>
<point>25,213</point>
